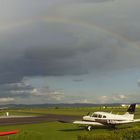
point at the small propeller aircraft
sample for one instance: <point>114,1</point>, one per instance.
<point>108,119</point>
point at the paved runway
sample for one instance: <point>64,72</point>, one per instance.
<point>37,119</point>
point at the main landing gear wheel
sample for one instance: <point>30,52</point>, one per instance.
<point>89,128</point>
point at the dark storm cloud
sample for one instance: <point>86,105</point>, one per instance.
<point>57,62</point>
<point>78,80</point>
<point>41,62</point>
<point>56,50</point>
<point>138,83</point>
<point>16,87</point>
<point>15,90</point>
<point>59,48</point>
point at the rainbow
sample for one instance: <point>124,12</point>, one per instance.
<point>61,20</point>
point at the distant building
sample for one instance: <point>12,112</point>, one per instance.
<point>124,105</point>
<point>104,107</point>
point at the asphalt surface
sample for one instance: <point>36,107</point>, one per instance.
<point>38,119</point>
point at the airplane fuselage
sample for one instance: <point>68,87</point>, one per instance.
<point>108,118</point>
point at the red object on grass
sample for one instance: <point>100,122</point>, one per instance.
<point>9,132</point>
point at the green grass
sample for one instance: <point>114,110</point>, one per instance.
<point>132,133</point>
<point>62,131</point>
<point>71,111</point>
<point>43,131</point>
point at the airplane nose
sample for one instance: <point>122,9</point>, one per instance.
<point>85,117</point>
<point>88,118</point>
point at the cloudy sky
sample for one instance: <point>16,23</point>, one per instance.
<point>69,51</point>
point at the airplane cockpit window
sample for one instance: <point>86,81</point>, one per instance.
<point>94,115</point>
<point>100,116</point>
<point>104,116</point>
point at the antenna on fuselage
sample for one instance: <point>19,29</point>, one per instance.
<point>88,113</point>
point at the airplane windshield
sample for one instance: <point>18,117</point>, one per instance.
<point>94,115</point>
<point>100,116</point>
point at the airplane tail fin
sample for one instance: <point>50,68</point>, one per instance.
<point>130,111</point>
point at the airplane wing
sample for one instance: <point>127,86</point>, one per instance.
<point>109,122</point>
<point>87,123</point>
<point>122,122</point>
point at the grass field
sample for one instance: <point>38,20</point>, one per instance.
<point>44,131</point>
<point>70,111</point>
<point>54,131</point>
<point>61,131</point>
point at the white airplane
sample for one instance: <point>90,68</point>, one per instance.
<point>108,119</point>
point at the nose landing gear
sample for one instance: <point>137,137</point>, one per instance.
<point>89,128</point>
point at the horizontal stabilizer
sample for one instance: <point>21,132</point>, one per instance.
<point>137,120</point>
